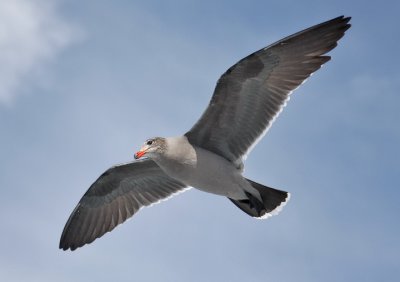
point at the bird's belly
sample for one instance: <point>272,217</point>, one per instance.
<point>209,173</point>
<point>216,184</point>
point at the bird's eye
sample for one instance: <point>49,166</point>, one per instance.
<point>149,142</point>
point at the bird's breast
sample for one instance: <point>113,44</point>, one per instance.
<point>205,171</point>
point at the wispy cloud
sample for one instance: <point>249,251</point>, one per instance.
<point>31,34</point>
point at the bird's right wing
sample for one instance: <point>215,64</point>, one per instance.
<point>114,197</point>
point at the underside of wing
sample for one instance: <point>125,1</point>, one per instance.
<point>250,94</point>
<point>113,198</point>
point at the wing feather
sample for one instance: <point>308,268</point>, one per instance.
<point>113,198</point>
<point>250,94</point>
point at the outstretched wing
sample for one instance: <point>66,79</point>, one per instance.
<point>113,198</point>
<point>250,94</point>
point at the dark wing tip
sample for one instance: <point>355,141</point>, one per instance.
<point>341,22</point>
<point>80,229</point>
<point>67,242</point>
<point>338,19</point>
<point>77,233</point>
<point>345,22</point>
<point>66,247</point>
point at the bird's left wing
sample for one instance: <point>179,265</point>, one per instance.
<point>250,94</point>
<point>114,197</point>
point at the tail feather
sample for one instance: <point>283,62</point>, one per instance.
<point>273,201</point>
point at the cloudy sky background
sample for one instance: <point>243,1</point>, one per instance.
<point>84,83</point>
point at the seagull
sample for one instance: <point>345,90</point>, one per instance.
<point>247,99</point>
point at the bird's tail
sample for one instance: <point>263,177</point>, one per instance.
<point>273,201</point>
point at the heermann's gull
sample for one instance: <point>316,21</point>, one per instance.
<point>209,157</point>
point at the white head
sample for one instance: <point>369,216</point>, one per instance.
<point>152,147</point>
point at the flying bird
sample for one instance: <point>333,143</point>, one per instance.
<point>247,99</point>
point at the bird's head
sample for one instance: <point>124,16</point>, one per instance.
<point>151,147</point>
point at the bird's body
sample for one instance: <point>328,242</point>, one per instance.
<point>189,164</point>
<point>247,99</point>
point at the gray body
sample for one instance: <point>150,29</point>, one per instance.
<point>202,169</point>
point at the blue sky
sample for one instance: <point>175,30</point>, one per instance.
<point>84,83</point>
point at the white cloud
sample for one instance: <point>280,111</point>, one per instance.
<point>31,33</point>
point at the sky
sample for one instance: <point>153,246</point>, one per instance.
<point>84,83</point>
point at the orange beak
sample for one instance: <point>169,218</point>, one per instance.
<point>140,154</point>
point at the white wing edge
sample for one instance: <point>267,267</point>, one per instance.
<point>244,157</point>
<point>277,210</point>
